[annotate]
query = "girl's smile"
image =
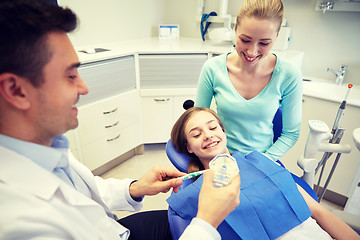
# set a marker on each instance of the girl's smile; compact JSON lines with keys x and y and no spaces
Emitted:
{"x":205,"y":137}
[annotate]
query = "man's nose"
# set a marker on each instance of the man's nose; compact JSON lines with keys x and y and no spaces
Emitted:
{"x":83,"y":88}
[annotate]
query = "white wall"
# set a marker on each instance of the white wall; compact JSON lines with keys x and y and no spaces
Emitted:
{"x":328,"y":40}
{"x":114,"y":20}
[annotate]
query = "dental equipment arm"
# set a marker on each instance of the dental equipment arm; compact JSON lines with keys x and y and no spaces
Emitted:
{"x":319,"y":131}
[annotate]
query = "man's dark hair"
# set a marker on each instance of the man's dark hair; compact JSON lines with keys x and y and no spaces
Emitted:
{"x":24,"y":25}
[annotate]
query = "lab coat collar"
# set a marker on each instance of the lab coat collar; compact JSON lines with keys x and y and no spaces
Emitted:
{"x":23,"y":174}
{"x":46,"y":157}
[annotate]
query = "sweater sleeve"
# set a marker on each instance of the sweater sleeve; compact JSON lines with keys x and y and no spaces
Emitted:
{"x":205,"y":88}
{"x":291,"y":103}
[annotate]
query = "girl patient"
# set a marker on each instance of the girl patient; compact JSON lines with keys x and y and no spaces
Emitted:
{"x":271,"y":205}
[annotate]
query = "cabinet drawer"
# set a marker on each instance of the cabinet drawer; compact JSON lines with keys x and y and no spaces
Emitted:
{"x":107,"y":148}
{"x":98,"y":120}
{"x":170,"y":70}
{"x":107,"y":78}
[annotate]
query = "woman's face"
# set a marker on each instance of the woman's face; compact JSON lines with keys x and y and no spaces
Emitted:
{"x":255,"y":38}
{"x":205,"y":137}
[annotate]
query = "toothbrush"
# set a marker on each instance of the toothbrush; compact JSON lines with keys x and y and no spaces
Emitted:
{"x":192,"y":175}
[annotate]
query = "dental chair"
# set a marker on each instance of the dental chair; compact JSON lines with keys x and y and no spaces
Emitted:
{"x":181,"y":161}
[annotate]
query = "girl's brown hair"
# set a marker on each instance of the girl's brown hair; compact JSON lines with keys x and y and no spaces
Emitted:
{"x":178,"y":137}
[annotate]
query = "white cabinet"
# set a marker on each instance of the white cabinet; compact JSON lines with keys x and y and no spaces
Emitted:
{"x":159,"y":113}
{"x":109,"y":116}
{"x":166,"y":82}
{"x":107,"y":78}
{"x":157,"y":118}
{"x":178,"y":104}
{"x":159,"y":71}
{"x":318,"y":109}
{"x":109,"y":128}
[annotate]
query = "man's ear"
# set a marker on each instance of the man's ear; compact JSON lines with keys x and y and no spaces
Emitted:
{"x":13,"y":90}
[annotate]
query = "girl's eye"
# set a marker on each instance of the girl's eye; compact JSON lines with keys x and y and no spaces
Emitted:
{"x":197,"y":135}
{"x":264,"y":44}
{"x":245,"y":41}
{"x":213,"y":128}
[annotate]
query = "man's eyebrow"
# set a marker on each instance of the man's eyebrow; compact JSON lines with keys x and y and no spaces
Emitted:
{"x":72,"y":66}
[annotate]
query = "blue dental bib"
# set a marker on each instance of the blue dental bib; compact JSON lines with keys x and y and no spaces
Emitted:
{"x":270,"y":203}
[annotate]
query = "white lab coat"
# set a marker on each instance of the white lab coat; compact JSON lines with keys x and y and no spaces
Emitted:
{"x":36,"y":204}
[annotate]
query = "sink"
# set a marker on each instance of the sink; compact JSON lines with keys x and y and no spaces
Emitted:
{"x":94,"y":50}
{"x":330,"y":91}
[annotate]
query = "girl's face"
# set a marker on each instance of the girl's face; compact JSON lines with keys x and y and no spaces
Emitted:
{"x":255,"y":38}
{"x":205,"y":137}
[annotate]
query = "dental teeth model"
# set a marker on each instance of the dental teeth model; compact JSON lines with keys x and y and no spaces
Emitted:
{"x":225,"y":169}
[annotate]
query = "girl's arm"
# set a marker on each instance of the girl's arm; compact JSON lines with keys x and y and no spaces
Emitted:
{"x":328,"y":221}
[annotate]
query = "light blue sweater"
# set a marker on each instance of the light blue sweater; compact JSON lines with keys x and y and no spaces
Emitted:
{"x":248,"y":123}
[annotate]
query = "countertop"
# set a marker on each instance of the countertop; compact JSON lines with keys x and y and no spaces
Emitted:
{"x":157,"y":46}
{"x":197,"y":46}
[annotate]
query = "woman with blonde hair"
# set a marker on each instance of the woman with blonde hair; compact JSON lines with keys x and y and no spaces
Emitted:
{"x":251,"y":83}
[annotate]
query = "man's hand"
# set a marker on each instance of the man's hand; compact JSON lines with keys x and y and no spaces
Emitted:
{"x":216,"y":203}
{"x":158,"y":179}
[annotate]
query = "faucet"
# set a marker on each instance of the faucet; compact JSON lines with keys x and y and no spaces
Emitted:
{"x":340,"y":74}
{"x":326,"y":5}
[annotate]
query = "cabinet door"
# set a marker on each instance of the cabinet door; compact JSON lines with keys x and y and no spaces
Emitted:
{"x":157,"y":118}
{"x":107,"y":78}
{"x":170,"y":70}
{"x":179,"y":105}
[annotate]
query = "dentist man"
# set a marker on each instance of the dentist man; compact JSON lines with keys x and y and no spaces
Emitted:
{"x":45,"y":193}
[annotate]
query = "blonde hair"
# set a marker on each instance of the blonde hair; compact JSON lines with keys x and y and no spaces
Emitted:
{"x":178,"y":136}
{"x":272,"y":10}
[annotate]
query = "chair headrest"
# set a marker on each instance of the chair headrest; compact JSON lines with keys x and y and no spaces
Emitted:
{"x":179,"y":160}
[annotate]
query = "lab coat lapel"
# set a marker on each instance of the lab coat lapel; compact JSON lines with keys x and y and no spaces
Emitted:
{"x":87,"y":176}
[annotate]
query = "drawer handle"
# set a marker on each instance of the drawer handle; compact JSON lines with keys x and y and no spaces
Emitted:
{"x":112,"y":125}
{"x":113,"y":139}
{"x":161,"y":99}
{"x":108,"y":112}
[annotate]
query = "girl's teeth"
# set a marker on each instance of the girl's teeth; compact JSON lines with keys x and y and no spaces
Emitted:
{"x":211,"y":145}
